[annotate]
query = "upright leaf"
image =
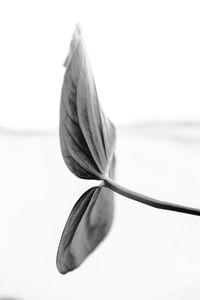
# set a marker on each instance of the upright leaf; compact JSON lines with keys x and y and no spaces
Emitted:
{"x":87,"y":136}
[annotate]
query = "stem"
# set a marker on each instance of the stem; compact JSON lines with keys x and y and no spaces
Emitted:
{"x":148,"y":200}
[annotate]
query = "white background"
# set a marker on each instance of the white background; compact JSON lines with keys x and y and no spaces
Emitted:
{"x":144,"y":54}
{"x":145,"y":59}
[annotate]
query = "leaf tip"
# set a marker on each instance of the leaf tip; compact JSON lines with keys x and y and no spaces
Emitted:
{"x":62,"y":267}
{"x":78,"y":29}
{"x":75,"y":40}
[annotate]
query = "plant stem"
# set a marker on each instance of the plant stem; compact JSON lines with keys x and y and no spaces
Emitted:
{"x":148,"y":200}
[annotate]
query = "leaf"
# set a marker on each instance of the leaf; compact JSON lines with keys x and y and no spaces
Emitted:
{"x":87,"y":225}
{"x":87,"y":136}
{"x":87,"y":139}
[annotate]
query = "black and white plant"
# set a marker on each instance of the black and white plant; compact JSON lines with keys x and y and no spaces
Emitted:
{"x":87,"y":139}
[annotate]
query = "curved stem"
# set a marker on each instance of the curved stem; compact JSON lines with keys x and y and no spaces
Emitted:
{"x":148,"y":200}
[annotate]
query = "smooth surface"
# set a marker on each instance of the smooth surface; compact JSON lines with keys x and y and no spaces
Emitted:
{"x":144,"y":56}
{"x":149,"y":254}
